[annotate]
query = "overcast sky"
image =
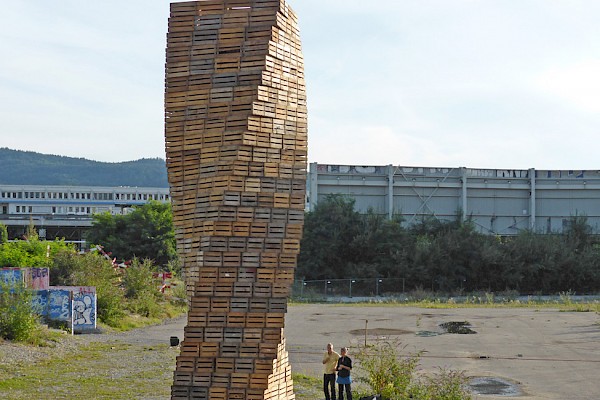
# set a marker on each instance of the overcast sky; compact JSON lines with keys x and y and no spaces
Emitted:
{"x":447,"y":83}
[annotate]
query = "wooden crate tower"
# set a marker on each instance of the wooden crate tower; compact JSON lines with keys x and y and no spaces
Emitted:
{"x":236,"y":146}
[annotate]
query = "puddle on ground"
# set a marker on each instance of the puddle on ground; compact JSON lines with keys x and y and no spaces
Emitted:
{"x":462,"y":328}
{"x":380,"y":332}
{"x":427,"y":333}
{"x":493,"y":386}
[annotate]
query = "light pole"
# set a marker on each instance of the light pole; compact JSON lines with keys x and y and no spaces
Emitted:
{"x":351,"y":282}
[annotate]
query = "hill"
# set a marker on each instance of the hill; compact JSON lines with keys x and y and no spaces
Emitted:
{"x":29,"y":168}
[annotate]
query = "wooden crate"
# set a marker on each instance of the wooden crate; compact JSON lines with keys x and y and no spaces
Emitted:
{"x":235,"y":140}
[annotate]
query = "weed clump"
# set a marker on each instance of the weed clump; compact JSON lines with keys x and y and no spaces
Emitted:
{"x":17,"y":319}
{"x":386,"y":372}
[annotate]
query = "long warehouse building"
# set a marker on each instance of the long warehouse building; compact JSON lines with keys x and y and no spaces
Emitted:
{"x":66,"y":211}
{"x":499,"y":202}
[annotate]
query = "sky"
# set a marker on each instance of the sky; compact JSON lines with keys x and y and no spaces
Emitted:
{"x":510,"y":84}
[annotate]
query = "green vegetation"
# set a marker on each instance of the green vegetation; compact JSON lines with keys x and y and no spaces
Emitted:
{"x":29,"y":168}
{"x":32,"y":252}
{"x":126,"y":297}
{"x":146,"y":232}
{"x":3,"y":233}
{"x":382,"y":369}
{"x":17,"y":320}
{"x":109,"y":370}
{"x":307,"y":387}
{"x":445,"y":256}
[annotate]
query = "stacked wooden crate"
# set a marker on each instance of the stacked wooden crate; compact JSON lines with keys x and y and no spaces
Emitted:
{"x":236,"y":145}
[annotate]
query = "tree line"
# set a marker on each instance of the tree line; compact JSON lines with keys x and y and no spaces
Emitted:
{"x":445,"y":256}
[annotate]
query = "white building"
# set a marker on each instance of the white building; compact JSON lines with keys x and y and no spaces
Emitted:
{"x":66,"y":211}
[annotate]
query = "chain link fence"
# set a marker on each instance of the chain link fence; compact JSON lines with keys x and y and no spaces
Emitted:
{"x":363,"y":287}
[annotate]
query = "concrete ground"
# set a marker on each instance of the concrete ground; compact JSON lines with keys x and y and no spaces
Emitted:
{"x":547,"y":354}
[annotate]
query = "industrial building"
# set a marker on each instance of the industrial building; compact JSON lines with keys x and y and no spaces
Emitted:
{"x":66,"y":211}
{"x":499,"y":202}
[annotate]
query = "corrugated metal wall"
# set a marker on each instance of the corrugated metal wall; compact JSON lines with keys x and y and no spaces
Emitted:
{"x":499,"y":202}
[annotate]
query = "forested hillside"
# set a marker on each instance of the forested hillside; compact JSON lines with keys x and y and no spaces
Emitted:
{"x":30,"y":168}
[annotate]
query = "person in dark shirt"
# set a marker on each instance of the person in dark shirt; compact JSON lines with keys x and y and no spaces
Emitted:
{"x":344,"y":366}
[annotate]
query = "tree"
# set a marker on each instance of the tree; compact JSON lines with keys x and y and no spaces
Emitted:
{"x":445,"y":255}
{"x":329,"y":230}
{"x":3,"y":234}
{"x":146,"y":233}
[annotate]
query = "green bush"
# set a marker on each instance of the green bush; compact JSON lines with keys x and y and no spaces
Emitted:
{"x":31,"y":253}
{"x":91,"y":269}
{"x":445,"y":385}
{"x":178,"y":293}
{"x":3,"y":234}
{"x":142,"y":289}
{"x":138,"y":279}
{"x":145,"y":304}
{"x":17,"y":320}
{"x":385,"y":371}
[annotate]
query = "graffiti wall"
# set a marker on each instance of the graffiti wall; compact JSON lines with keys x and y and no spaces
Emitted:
{"x":39,"y":302}
{"x":37,"y":278}
{"x":76,"y":305}
{"x":60,"y":304}
{"x":34,"y":278}
{"x":83,"y":305}
{"x":11,"y":276}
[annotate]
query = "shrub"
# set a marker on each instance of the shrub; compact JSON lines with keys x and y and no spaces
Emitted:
{"x":3,"y":234}
{"x":141,"y":289}
{"x":445,"y":385}
{"x":145,"y":305}
{"x":138,"y":279}
{"x":91,"y":269}
{"x":386,"y":372}
{"x":17,"y":320}
{"x":178,"y":294}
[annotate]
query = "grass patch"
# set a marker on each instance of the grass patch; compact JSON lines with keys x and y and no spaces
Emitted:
{"x":111,"y":370}
{"x":132,"y":321}
{"x":307,"y":387}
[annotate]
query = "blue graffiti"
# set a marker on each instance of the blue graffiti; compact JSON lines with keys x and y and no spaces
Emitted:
{"x":84,"y":309}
